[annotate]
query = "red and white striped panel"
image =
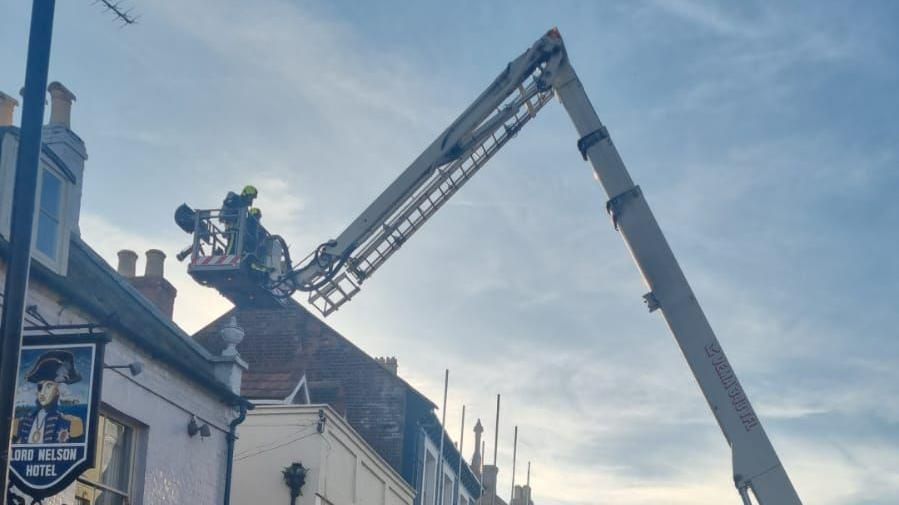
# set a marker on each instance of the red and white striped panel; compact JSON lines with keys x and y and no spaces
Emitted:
{"x":230,"y":260}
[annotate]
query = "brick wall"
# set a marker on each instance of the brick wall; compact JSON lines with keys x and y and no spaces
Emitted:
{"x":159,"y":291}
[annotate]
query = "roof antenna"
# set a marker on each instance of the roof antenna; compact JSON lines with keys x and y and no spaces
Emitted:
{"x":514,"y":457}
{"x":495,"y":446}
{"x":459,"y":468}
{"x":528,"y":497}
{"x":438,"y":479}
{"x":123,"y":14}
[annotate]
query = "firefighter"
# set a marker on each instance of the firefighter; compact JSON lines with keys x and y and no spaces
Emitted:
{"x":231,"y":212}
{"x":253,"y":243}
{"x":252,"y":237}
{"x":244,"y":199}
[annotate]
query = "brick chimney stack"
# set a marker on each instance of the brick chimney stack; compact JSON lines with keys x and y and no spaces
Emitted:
{"x":153,"y":284}
{"x":521,"y":495}
{"x":489,"y":479}
{"x":388,"y":362}
{"x":8,"y":105}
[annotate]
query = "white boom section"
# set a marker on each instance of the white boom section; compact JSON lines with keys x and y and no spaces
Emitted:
{"x":755,"y":463}
{"x":332,"y":274}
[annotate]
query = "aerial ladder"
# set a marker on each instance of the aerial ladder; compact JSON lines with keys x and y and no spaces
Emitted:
{"x":264,"y":274}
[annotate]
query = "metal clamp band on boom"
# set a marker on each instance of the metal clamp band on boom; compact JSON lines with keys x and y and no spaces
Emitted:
{"x":652,"y":303}
{"x":615,"y":205}
{"x":588,"y":140}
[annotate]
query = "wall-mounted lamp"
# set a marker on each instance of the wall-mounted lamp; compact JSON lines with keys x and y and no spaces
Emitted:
{"x":193,"y":427}
{"x":320,"y":426}
{"x":294,"y":478}
{"x":135,"y":367}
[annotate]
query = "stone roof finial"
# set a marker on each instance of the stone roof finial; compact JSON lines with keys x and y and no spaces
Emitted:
{"x":232,"y":334}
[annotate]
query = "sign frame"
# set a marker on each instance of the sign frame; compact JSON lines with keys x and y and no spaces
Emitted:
{"x":98,"y":341}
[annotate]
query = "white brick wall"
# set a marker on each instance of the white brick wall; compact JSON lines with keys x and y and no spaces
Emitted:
{"x":172,"y":467}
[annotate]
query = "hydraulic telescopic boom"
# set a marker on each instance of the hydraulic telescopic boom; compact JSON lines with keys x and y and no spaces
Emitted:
{"x":333,"y":273}
{"x":755,"y":463}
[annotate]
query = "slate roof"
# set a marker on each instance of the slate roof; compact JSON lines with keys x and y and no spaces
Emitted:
{"x":114,"y":303}
{"x":273,"y":349}
{"x":283,"y":343}
{"x":265,"y":385}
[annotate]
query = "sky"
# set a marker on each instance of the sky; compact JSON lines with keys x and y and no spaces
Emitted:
{"x":763,"y":135}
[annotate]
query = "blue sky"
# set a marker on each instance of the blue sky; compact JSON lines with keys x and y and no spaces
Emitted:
{"x":763,"y":135}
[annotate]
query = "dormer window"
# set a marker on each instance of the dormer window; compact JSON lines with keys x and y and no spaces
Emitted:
{"x":59,"y":180}
{"x":53,"y":219}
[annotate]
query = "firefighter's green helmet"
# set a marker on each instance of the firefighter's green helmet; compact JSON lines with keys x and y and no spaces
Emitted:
{"x":255,"y":212}
{"x":249,"y":191}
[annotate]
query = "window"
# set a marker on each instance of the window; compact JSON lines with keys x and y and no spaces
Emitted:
{"x":447,"y":490}
{"x":49,"y":215}
{"x":109,"y":482}
{"x":428,"y":483}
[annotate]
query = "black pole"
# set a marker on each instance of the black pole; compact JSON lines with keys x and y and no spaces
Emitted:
{"x":19,"y":260}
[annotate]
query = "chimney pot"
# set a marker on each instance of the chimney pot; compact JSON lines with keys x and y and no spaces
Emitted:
{"x":60,"y":104}
{"x":127,"y":263}
{"x":8,"y":105}
{"x":388,"y":362}
{"x":155,"y":263}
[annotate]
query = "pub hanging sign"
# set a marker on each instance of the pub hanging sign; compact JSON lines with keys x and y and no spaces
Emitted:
{"x":56,"y":407}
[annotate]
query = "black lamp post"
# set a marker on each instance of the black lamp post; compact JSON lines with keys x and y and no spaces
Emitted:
{"x":294,"y":478}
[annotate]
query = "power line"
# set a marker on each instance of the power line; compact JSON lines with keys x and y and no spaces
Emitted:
{"x":266,"y":445}
{"x":277,"y":446}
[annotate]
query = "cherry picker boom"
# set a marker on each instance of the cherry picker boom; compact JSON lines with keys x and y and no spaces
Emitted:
{"x":332,"y":274}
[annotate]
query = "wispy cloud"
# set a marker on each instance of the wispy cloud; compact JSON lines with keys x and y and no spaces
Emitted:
{"x":711,"y":17}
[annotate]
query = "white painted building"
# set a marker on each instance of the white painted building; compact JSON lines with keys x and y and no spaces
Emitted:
{"x":342,"y":469}
{"x":146,"y":453}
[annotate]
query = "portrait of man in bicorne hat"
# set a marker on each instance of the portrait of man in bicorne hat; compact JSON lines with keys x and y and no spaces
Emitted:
{"x":46,"y":423}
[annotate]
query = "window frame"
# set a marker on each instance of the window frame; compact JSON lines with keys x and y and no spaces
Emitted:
{"x":60,"y":219}
{"x":429,"y":474}
{"x":133,"y":431}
